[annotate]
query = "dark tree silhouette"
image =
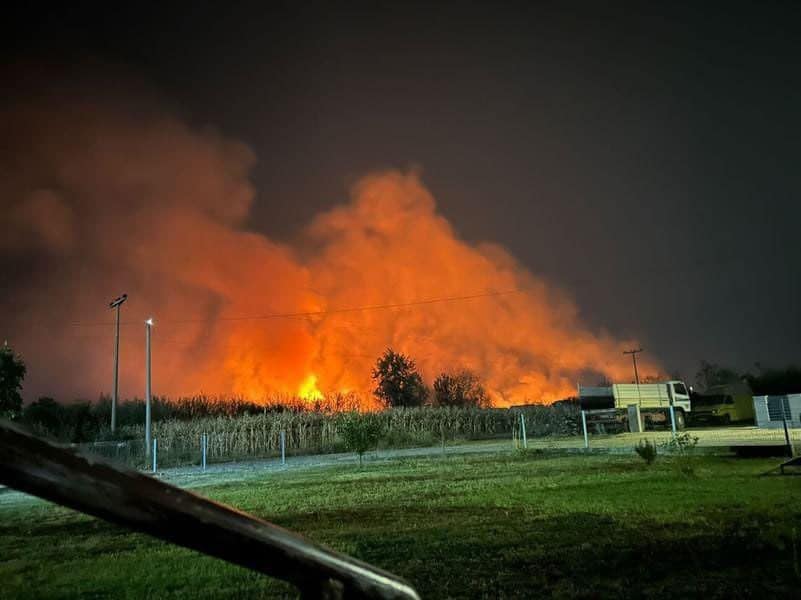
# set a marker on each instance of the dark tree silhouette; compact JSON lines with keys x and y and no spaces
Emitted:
{"x":460,"y":389}
{"x":12,"y":373}
{"x":775,"y":381}
{"x":711,"y":374}
{"x":397,"y":381}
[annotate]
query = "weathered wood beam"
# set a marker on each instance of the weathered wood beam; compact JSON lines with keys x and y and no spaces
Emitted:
{"x":141,"y":503}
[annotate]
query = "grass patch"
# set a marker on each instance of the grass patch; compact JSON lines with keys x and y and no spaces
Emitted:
{"x":517,"y":525}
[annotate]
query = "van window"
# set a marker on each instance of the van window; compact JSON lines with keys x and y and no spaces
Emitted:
{"x":729,"y":400}
{"x":679,"y":388}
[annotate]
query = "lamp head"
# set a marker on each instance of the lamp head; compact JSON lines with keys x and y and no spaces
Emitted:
{"x":118,"y":301}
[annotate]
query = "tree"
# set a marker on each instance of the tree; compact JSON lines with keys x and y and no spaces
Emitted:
{"x":775,"y":381}
{"x":360,"y":432}
{"x":711,"y":374}
{"x":12,"y":373}
{"x":461,"y":389}
{"x":397,"y":381}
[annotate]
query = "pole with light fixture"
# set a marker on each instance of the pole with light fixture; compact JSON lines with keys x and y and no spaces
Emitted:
{"x":115,"y":304}
{"x":148,"y":327}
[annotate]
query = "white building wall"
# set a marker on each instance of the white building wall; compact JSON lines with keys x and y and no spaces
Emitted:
{"x":762,"y":414}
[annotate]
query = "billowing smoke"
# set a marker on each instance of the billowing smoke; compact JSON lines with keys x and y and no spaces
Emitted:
{"x":101,"y":196}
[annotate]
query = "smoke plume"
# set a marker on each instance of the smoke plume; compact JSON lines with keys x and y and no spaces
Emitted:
{"x":101,"y":195}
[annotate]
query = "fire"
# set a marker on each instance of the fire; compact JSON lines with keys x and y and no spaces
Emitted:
{"x":112,"y":200}
{"x":308,"y":389}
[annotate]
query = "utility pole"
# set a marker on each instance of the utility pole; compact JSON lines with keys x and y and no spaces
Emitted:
{"x":148,"y":327}
{"x":634,"y":353}
{"x":115,"y":304}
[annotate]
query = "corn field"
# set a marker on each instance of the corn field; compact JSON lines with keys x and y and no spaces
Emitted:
{"x":253,"y":436}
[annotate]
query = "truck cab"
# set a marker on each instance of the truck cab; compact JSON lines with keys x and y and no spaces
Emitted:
{"x":680,"y":396}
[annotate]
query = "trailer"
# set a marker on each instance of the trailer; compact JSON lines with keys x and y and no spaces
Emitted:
{"x":653,"y":401}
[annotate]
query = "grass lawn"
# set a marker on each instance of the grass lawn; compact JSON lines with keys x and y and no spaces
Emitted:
{"x":516,"y":525}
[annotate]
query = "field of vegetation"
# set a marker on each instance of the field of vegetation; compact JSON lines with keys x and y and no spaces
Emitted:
{"x":249,"y":436}
{"x":519,"y":525}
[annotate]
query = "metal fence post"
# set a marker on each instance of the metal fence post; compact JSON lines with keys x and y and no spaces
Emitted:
{"x":523,"y":429}
{"x":283,"y":447}
{"x":584,"y":426}
{"x":787,"y":441}
{"x":155,"y":453}
{"x":203,"y":445}
{"x":672,"y":420}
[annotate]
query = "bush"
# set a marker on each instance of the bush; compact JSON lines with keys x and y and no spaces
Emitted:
{"x":461,"y":389}
{"x":360,"y":432}
{"x":683,"y":445}
{"x":646,"y":450}
{"x":45,"y":416}
{"x":397,"y":381}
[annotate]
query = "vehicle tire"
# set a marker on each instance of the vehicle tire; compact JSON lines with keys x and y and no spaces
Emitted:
{"x":726,"y":420}
{"x":680,"y":420}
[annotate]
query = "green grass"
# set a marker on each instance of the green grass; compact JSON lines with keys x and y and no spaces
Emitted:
{"x":518,"y":525}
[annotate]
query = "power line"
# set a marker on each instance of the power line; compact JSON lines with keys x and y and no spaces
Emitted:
{"x":305,"y":314}
{"x":323,"y":312}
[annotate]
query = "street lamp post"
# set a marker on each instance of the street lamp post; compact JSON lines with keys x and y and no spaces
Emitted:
{"x":148,"y":327}
{"x":115,"y":304}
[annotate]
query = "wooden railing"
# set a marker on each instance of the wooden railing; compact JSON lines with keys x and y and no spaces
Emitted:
{"x":145,"y":504}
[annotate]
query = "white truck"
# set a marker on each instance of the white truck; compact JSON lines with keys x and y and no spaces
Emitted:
{"x":653,"y":399}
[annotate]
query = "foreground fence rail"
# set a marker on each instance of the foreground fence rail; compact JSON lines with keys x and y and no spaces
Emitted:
{"x":141,"y":503}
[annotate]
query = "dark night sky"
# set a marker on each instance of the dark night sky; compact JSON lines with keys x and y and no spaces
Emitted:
{"x":643,"y":157}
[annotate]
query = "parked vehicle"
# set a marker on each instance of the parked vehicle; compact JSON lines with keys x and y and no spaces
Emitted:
{"x":724,"y":404}
{"x":654,"y":400}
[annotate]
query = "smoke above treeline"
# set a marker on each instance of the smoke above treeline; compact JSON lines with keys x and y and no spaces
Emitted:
{"x":103,"y":194}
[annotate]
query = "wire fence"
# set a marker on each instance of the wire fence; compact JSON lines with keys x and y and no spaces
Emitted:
{"x":172,"y":452}
{"x":525,"y":431}
{"x":779,"y":438}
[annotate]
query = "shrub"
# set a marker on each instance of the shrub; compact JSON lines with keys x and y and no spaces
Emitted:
{"x":360,"y":432}
{"x":397,"y":381}
{"x":646,"y":450}
{"x":45,"y":415}
{"x":460,"y":389}
{"x":682,"y":443}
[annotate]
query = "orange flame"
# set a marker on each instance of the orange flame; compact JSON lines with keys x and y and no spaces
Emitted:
{"x":308,"y":389}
